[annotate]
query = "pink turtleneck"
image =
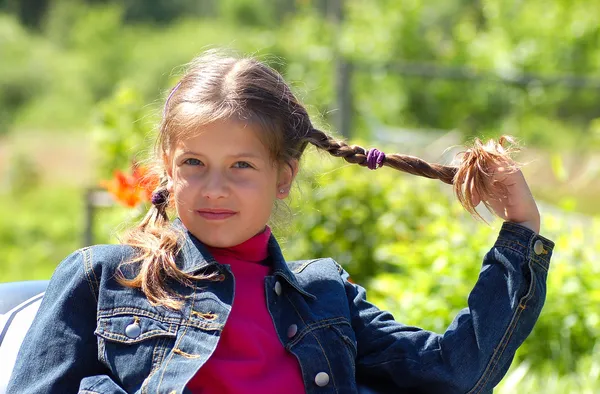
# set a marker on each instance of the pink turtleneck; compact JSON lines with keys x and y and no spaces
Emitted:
{"x":249,"y":357}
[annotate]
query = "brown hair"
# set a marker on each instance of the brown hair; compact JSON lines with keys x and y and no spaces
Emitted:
{"x":220,"y":86}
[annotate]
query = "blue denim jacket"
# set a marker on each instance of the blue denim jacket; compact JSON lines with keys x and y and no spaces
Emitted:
{"x":93,"y":335}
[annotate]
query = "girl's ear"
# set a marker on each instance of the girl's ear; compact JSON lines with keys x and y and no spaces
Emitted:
{"x":286,"y":177}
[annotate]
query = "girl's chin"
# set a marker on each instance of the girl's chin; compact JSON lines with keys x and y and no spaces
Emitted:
{"x":221,"y":238}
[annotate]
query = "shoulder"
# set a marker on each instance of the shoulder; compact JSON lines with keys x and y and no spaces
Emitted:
{"x":98,"y":256}
{"x":325,"y":265}
{"x":309,"y":272}
{"x":94,"y":262}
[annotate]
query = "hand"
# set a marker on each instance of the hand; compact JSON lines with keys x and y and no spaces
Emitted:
{"x":516,"y":204}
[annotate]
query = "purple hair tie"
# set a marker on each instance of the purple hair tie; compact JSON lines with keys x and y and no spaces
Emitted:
{"x":375,"y":159}
{"x":169,"y":98}
{"x":159,"y":197}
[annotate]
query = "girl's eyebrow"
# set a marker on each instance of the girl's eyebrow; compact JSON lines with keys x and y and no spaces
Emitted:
{"x":237,"y":155}
{"x":247,"y":154}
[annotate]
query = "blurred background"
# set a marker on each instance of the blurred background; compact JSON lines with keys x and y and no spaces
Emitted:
{"x":82,"y":84}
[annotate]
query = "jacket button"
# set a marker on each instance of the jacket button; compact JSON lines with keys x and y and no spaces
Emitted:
{"x":292,"y":330}
{"x":277,"y":288}
{"x":538,"y":247}
{"x":322,"y":379}
{"x":133,"y":330}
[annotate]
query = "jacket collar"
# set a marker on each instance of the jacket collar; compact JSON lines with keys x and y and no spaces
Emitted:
{"x":195,"y":257}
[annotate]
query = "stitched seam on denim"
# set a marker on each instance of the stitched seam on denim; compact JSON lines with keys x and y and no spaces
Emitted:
{"x":345,"y":338}
{"x":349,"y":345}
{"x":126,"y":340}
{"x":126,"y":310}
{"x":510,"y":245}
{"x":87,"y":259}
{"x":91,"y":267}
{"x":515,"y":231}
{"x":298,"y":288}
{"x":176,"y":346}
{"x":317,"y":325}
{"x":317,"y":339}
{"x":155,"y":365}
{"x":512,"y":241}
{"x":157,"y":361}
{"x":303,"y":266}
{"x":122,"y":311}
{"x":505,"y":339}
{"x":542,"y":263}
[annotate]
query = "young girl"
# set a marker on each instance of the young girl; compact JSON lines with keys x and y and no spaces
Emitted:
{"x":208,"y":304}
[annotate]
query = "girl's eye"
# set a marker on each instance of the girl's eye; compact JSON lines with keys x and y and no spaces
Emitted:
{"x":192,"y":162}
{"x":242,"y":164}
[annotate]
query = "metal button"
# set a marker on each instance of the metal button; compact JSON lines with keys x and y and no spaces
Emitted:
{"x":277,"y":288}
{"x":292,"y":330}
{"x":538,"y":247}
{"x":133,"y":330}
{"x":322,"y":379}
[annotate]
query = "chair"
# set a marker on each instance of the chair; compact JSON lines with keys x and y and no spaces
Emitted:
{"x":19,"y":302}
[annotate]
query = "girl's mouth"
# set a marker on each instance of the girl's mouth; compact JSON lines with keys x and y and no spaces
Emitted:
{"x":215,"y":214}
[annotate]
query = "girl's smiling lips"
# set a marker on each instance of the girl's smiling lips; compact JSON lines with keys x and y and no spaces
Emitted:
{"x":215,"y":214}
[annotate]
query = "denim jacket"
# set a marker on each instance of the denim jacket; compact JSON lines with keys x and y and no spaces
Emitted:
{"x":93,"y":335}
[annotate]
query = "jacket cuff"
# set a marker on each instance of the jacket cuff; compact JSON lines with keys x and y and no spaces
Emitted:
{"x":526,"y":242}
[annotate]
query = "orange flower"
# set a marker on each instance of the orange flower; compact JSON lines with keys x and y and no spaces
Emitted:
{"x":145,"y":180}
{"x":131,"y":189}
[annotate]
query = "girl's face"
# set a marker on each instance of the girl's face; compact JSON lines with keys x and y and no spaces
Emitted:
{"x":225,"y":183}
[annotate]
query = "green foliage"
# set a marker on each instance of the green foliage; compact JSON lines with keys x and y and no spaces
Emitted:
{"x":21,"y":78}
{"x":23,"y":174}
{"x":120,"y":131}
{"x":38,"y":230}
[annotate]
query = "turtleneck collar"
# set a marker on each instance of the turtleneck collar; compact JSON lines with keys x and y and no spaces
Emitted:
{"x":253,"y":250}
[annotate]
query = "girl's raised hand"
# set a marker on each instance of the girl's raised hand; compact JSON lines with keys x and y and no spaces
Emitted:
{"x":512,"y":200}
{"x":488,"y":174}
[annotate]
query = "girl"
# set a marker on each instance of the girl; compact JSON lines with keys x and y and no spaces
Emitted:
{"x":207,"y":303}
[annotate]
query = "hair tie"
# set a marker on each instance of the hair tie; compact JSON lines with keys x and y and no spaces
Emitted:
{"x":375,"y":158}
{"x":169,"y":98}
{"x":159,"y":197}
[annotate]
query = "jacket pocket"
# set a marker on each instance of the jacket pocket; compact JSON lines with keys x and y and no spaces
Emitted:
{"x":133,"y":344}
{"x":99,"y":384}
{"x":133,"y":328}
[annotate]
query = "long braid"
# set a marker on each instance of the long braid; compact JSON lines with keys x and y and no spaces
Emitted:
{"x":471,"y":175}
{"x":358,"y":155}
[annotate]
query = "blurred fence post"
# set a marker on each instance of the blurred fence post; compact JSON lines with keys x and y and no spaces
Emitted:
{"x":343,"y":74}
{"x":94,"y":198}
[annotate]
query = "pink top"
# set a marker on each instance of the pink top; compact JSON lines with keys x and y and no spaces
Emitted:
{"x":249,"y":357}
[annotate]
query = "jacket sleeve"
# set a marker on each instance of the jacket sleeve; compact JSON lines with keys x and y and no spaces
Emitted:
{"x":60,"y":347}
{"x":477,"y":348}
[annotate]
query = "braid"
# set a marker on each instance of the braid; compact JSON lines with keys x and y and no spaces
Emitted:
{"x":358,"y":155}
{"x":472,"y":174}
{"x":158,"y":244}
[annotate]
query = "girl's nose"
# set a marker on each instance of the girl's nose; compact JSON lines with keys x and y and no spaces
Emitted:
{"x":215,"y":186}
